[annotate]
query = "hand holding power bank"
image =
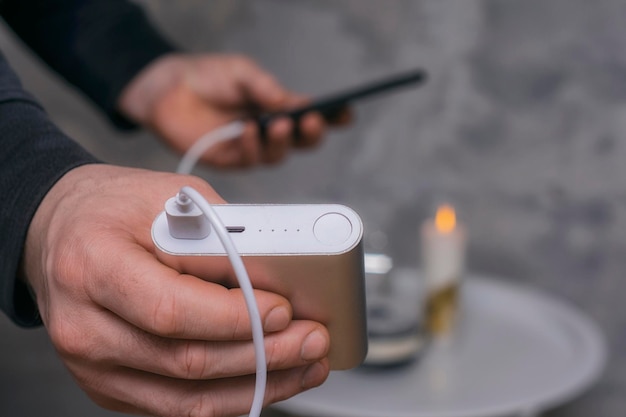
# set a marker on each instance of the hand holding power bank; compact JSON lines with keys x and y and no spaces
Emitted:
{"x":310,"y":254}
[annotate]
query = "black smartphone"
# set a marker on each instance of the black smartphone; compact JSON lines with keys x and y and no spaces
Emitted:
{"x":332,"y":106}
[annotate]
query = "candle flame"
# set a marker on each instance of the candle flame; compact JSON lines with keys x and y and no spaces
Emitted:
{"x":445,"y":219}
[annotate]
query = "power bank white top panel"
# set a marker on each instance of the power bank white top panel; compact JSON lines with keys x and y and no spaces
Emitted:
{"x":319,"y":229}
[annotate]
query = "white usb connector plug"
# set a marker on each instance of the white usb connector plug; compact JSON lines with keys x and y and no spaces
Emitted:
{"x":185,"y":219}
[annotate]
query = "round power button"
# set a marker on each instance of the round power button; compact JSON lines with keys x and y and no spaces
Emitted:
{"x":332,"y":229}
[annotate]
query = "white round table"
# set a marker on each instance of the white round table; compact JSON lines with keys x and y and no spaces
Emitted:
{"x":517,"y":352}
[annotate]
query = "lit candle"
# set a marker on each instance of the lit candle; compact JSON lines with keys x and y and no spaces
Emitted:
{"x":443,"y":261}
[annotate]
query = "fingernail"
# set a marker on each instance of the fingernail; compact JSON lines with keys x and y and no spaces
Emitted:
{"x":315,"y":346}
{"x":314,"y":375}
{"x":277,"y":319}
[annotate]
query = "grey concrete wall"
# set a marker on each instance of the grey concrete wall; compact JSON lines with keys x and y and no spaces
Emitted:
{"x":521,"y":126}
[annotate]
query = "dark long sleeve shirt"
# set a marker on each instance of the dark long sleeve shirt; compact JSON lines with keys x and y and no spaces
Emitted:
{"x":98,"y":46}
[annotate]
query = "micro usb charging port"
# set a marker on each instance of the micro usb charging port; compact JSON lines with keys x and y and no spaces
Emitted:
{"x":235,"y":229}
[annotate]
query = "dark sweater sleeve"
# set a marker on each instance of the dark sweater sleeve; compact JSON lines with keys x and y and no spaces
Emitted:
{"x":97,"y":45}
{"x":34,"y":154}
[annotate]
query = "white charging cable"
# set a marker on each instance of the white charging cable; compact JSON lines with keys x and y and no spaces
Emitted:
{"x":244,"y":283}
{"x":224,"y":133}
{"x":187,"y":163}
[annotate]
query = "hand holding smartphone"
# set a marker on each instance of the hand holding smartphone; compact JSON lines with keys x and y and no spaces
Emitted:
{"x":331,"y":107}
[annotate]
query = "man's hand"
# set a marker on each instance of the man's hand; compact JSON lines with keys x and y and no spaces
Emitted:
{"x":181,"y":97}
{"x":138,"y":336}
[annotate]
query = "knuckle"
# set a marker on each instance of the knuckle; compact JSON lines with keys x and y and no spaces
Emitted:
{"x":100,"y":400}
{"x":203,"y":405}
{"x":192,"y":361}
{"x":276,"y":356}
{"x":69,"y":341}
{"x":237,"y":315}
{"x":65,"y":261}
{"x":70,"y":263}
{"x":165,"y":318}
{"x":279,"y":390}
{"x":97,"y":386}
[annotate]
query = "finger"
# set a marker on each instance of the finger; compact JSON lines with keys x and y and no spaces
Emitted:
{"x":136,"y":392}
{"x":163,"y":302}
{"x":249,"y":146}
{"x":279,"y":139}
{"x":344,"y":118}
{"x":119,"y":344}
{"x":312,"y":129}
{"x":310,"y":126}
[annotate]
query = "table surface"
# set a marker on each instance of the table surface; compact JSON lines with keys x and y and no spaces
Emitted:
{"x":516,"y":352}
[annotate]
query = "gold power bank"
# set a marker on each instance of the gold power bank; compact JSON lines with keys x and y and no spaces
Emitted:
{"x":310,"y":253}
